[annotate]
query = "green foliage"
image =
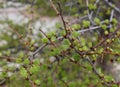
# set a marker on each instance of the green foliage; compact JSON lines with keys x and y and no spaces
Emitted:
{"x":104,"y":26}
{"x":106,"y":32}
{"x":23,"y":73}
{"x":55,"y":52}
{"x":37,"y":82}
{"x":92,"y":7}
{"x":107,"y":21}
{"x":45,"y":40}
{"x":76,"y":26}
{"x":86,"y":24}
{"x":114,"y":21}
{"x":76,"y":57}
{"x":73,"y":55}
{"x":62,"y":33}
{"x":53,"y":38}
{"x":97,"y":21}
{"x":75,"y":34}
{"x":34,"y":69}
{"x":64,"y":47}
{"x":66,"y":42}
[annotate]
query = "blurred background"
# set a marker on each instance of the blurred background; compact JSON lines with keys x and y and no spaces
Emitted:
{"x":20,"y":21}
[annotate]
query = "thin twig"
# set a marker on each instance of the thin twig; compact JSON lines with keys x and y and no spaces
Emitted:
{"x":61,"y":15}
{"x":113,"y":6}
{"x":48,"y":38}
{"x":111,"y":17}
{"x":96,"y":72}
{"x":54,"y":7}
{"x":91,"y":28}
{"x":109,"y":36}
{"x":90,"y":15}
{"x":38,"y":50}
{"x":1,"y":82}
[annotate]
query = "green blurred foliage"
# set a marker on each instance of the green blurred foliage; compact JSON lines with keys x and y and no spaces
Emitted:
{"x":72,"y":69}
